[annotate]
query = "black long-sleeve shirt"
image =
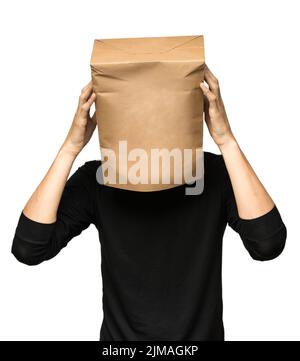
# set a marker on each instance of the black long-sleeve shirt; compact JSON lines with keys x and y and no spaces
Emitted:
{"x":161,"y":251}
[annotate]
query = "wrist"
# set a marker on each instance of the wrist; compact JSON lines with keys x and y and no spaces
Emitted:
{"x":229,"y":143}
{"x":67,"y":150}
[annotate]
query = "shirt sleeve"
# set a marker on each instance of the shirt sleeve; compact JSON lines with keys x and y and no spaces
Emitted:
{"x":264,"y":237}
{"x":35,"y":242}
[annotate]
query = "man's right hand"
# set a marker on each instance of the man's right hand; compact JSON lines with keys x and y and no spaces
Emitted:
{"x":83,"y":124}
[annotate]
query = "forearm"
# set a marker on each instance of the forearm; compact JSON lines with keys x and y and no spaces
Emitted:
{"x":251,"y":197}
{"x":43,"y":204}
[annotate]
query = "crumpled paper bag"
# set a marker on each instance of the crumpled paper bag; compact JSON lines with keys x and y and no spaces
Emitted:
{"x":148,"y":98}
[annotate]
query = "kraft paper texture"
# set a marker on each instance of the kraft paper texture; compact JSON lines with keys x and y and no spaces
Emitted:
{"x":148,"y":94}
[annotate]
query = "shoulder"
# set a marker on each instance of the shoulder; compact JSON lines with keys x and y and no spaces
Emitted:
{"x":90,"y":166}
{"x":85,"y":174}
{"x":214,"y":168}
{"x":212,"y":160}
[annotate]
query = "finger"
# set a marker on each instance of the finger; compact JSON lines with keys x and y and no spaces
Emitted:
{"x":211,"y":97}
{"x":87,"y":90}
{"x":89,"y":131}
{"x":211,"y":80}
{"x":86,"y":93}
{"x":206,"y":109}
{"x":87,"y":105}
{"x":205,"y":105}
{"x":94,"y":118}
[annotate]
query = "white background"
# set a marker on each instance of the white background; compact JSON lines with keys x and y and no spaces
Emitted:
{"x":251,"y":46}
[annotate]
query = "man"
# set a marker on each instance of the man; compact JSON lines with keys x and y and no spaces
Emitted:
{"x":161,"y":251}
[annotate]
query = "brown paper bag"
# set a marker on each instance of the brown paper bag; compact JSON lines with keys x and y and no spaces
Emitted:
{"x":149,"y":104}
